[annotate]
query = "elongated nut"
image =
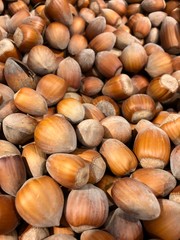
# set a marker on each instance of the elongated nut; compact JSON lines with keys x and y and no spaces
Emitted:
{"x":153,"y":36}
{"x":95,"y":27}
{"x":162,"y":88}
{"x":13,"y":172}
{"x":118,"y":87}
{"x":159,"y":181}
{"x":163,"y":227}
{"x":156,"y":139}
{"x":120,"y":159}
{"x":35,"y":159}
{"x":97,"y":166}
{"x":70,"y":71}
{"x":55,"y":134}
{"x":137,"y":107}
{"x":46,"y":211}
{"x":95,"y":130}
{"x":18,"y":128}
{"x":52,"y":88}
{"x":133,"y":57}
{"x":59,"y":10}
{"x":18,"y":75}
{"x":31,"y":102}
{"x":117,"y":127}
{"x":69,"y":170}
{"x":9,"y":217}
{"x":122,"y":224}
{"x":169,"y":35}
{"x":90,"y":197}
{"x":135,"y":198}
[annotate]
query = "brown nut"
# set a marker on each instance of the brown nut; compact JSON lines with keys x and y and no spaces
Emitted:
{"x":57,"y":35}
{"x":171,"y":126}
{"x":137,"y":107}
{"x":96,"y":234}
{"x":148,"y":139}
{"x":18,"y":75}
{"x":35,"y":159}
{"x":95,"y":132}
{"x":8,"y":49}
{"x":42,"y":60}
{"x":117,"y":127}
{"x":135,"y":198}
{"x":18,"y":128}
{"x":118,"y":87}
{"x":161,"y":182}
{"x":31,"y":102}
{"x":59,"y":10}
{"x":52,"y":88}
{"x":26,"y":37}
{"x":175,"y":162}
{"x":69,"y":170}
{"x":97,"y":165}
{"x":70,"y":71}
{"x":133,"y":57}
{"x":13,"y":172}
{"x":121,"y":224}
{"x":120,"y":159}
{"x":46,"y":211}
{"x":90,"y":197}
{"x":55,"y":134}
{"x":163,"y":227}
{"x":72,"y":109}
